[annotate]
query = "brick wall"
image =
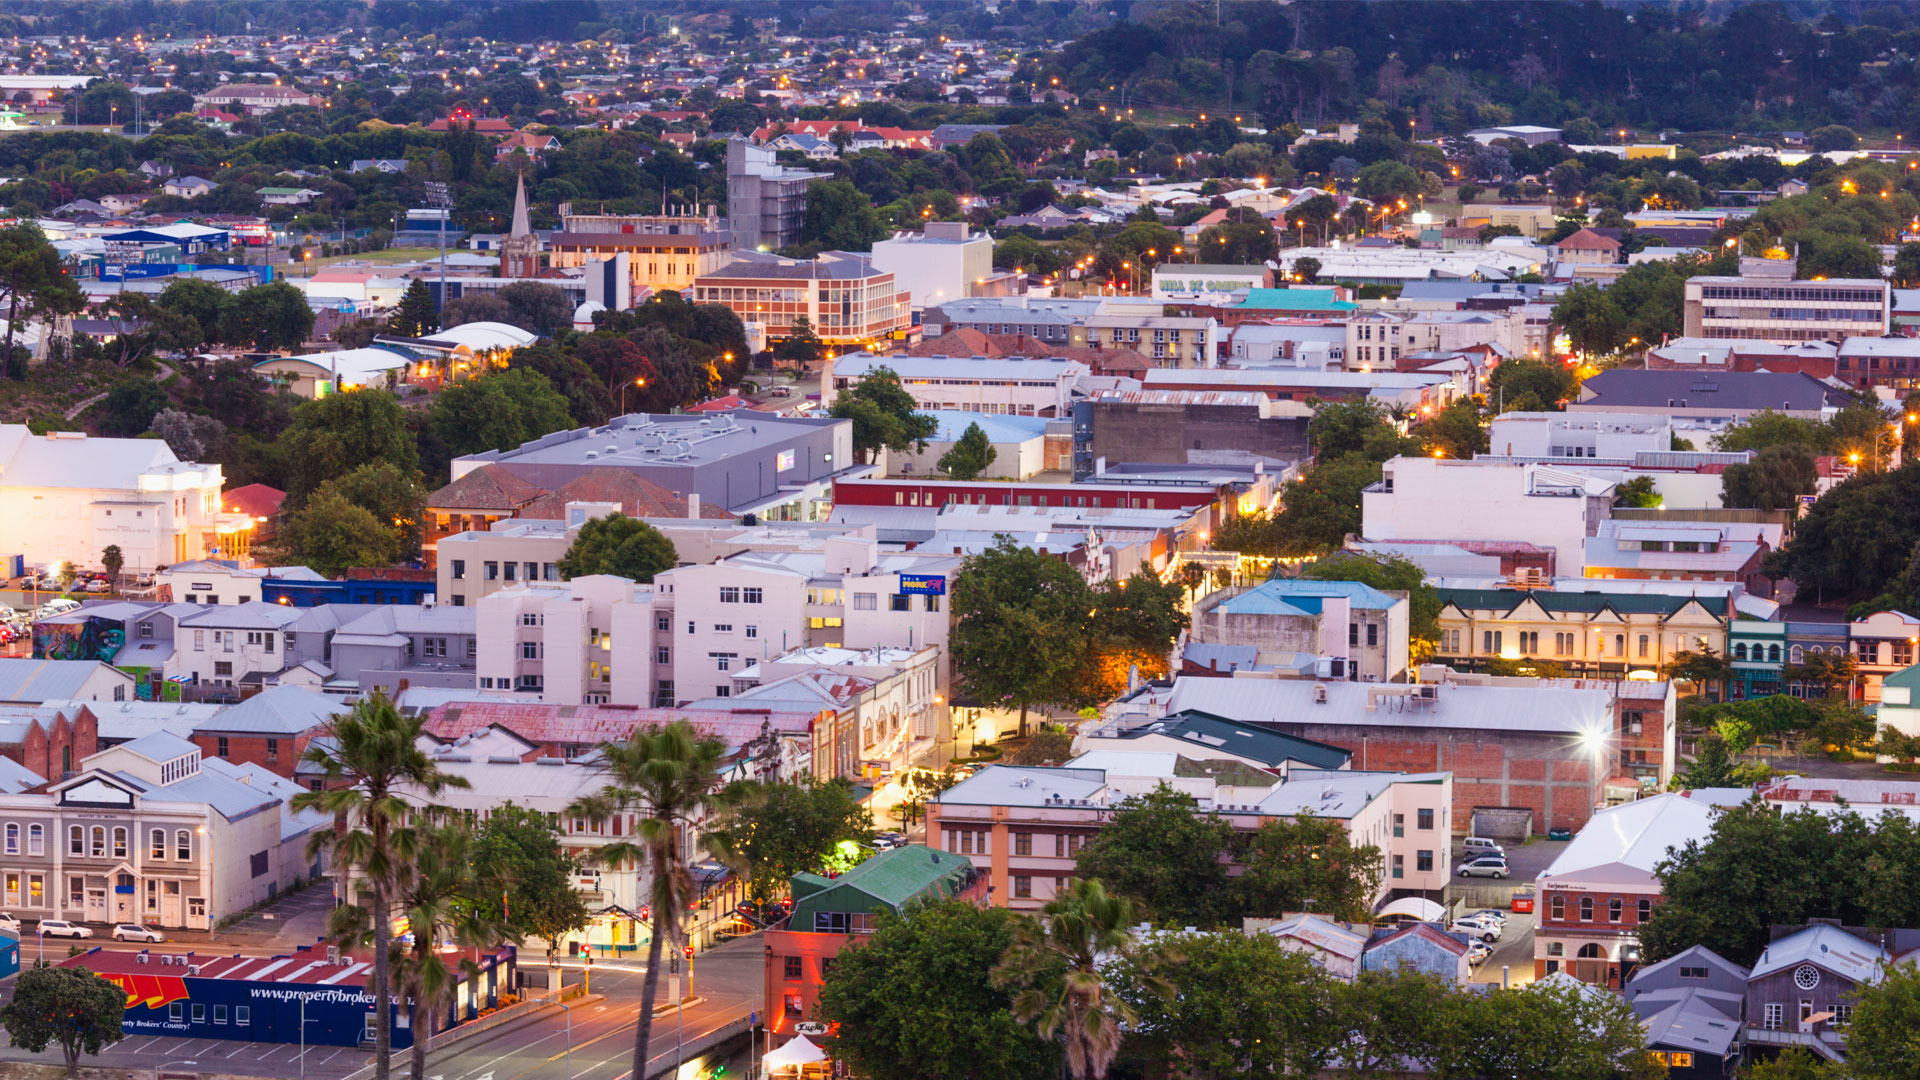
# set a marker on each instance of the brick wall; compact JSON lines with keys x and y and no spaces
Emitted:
{"x":250,"y":749}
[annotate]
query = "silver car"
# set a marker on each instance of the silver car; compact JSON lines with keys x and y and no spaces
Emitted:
{"x":1493,"y":866}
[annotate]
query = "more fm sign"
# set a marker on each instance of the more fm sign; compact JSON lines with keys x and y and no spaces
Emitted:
{"x":923,"y":584}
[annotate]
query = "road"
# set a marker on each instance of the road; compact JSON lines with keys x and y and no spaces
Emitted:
{"x":727,"y":981}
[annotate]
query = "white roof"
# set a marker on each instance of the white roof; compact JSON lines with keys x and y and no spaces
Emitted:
{"x":74,"y":460}
{"x":1415,"y":907}
{"x":1560,"y":708}
{"x":350,"y":365}
{"x":1622,"y":844}
{"x":480,"y":336}
{"x":1823,"y":946}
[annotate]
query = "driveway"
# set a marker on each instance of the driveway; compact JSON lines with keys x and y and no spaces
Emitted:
{"x":1512,"y":959}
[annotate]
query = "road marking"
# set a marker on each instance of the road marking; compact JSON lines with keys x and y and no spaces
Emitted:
{"x":144,"y":1048}
{"x":333,"y":1055}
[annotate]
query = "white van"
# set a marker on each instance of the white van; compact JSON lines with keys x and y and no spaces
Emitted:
{"x":57,"y":606}
{"x":1480,"y":845}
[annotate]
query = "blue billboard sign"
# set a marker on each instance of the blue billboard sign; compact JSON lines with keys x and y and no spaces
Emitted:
{"x":923,"y":584}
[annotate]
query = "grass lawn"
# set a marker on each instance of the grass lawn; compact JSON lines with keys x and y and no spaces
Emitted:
{"x":383,"y":258}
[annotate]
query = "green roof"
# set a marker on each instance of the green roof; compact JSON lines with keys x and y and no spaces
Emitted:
{"x":889,"y":880}
{"x":1582,"y":602}
{"x":1294,"y":300}
{"x":1908,"y":677}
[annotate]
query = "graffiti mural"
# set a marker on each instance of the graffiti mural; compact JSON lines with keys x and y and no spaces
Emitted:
{"x":94,"y":639}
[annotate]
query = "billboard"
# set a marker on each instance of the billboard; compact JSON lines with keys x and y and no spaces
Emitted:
{"x":923,"y":584}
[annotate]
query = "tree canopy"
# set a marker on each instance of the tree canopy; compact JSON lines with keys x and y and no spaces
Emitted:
{"x":620,"y":545}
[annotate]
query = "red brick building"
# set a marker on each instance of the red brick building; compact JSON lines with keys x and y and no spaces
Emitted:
{"x":50,"y":741}
{"x":271,"y":729}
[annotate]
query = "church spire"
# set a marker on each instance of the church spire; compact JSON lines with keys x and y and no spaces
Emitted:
{"x":522,"y":226}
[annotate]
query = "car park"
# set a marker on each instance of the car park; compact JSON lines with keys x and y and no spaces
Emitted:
{"x":98,"y":585}
{"x":63,"y":928}
{"x":1493,"y":866}
{"x":136,"y":932}
{"x":57,"y":606}
{"x":1485,"y":929}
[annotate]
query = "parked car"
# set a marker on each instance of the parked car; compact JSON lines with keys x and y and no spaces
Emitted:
{"x":1480,"y":845}
{"x":63,"y":928}
{"x":98,"y":585}
{"x":57,"y":606}
{"x":1561,"y":833}
{"x":136,"y":932}
{"x":1490,"y":913}
{"x":10,"y":923}
{"x":1477,"y":952}
{"x":1493,"y":866}
{"x":1485,"y":929}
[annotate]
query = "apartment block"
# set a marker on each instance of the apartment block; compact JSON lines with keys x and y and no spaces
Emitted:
{"x":1765,"y":301}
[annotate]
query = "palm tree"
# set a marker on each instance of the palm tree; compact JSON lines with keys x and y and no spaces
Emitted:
{"x":366,"y":758}
{"x":1078,"y":929}
{"x":662,"y":776}
{"x":438,"y":899}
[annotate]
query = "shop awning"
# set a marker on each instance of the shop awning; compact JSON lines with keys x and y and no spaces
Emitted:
{"x":1413,"y":907}
{"x":796,"y":1053}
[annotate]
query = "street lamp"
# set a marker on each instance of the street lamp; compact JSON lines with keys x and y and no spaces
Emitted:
{"x":640,"y":382}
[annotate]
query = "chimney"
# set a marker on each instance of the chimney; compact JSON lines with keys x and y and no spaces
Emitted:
{"x":693,"y":504}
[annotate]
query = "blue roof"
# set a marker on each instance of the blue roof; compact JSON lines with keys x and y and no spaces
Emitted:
{"x":999,"y":429}
{"x":1290,"y":597}
{"x":1295,"y":300}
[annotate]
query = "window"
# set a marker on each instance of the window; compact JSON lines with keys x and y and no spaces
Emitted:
{"x":722,"y":661}
{"x":1022,"y":887}
{"x":933,"y":603}
{"x":1842,"y":1016}
{"x":1586,"y":909}
{"x":1613,"y":910}
{"x":242,"y":1015}
{"x":273,"y":749}
{"x":1694,"y":973}
{"x":183,"y":845}
{"x":1023,"y":843}
{"x":1399,"y":866}
{"x":199,"y":1014}
{"x":750,"y":596}
{"x":120,"y":842}
{"x":196,"y":905}
{"x":1645,"y":910}
{"x":1775,"y":1016}
{"x":1423,"y":818}
{"x":157,"y":844}
{"x":1373,"y":634}
{"x":13,"y":838}
{"x":176,"y":1011}
{"x":221,"y":744}
{"x":690,"y":627}
{"x":663,"y":623}
{"x":730,"y":594}
{"x":1556,"y":948}
{"x":512,"y":571}
{"x":36,"y":840}
{"x":1558,"y":908}
{"x":753,"y":631}
{"x":791,"y":964}
{"x":795,"y":1006}
{"x":865,"y":601}
{"x":1399,"y":824}
{"x":76,"y":840}
{"x":219,"y":1014}
{"x":1423,"y":861}
{"x":662,"y":655}
{"x":899,"y":602}
{"x":529,"y":618}
{"x":529,"y":650}
{"x":459,"y":569}
{"x":1644,"y":639}
{"x":829,"y":922}
{"x":146,"y":630}
{"x":492,"y":570}
{"x":36,"y":890}
{"x":723,"y":628}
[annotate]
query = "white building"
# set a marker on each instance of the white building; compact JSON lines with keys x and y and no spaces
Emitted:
{"x":1378,"y":339}
{"x":1604,"y":436}
{"x":231,"y":645}
{"x":1006,"y":385}
{"x":1019,"y":445}
{"x":1435,"y":499}
{"x":65,"y":496}
{"x":942,"y":262}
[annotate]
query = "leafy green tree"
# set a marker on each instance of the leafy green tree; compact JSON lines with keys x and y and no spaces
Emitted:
{"x":36,"y":287}
{"x":1051,"y":745}
{"x":970,"y":455}
{"x":519,"y":848}
{"x":1456,"y":431}
{"x":588,"y":402}
{"x":1795,"y":1063}
{"x":371,"y":757}
{"x":1355,"y":427}
{"x":1307,"y":269}
{"x":1080,"y":929}
{"x":268,"y":317}
{"x":1767,"y":428}
{"x":1136,"y":621}
{"x":497,"y":411}
{"x":334,"y":435}
{"x":538,"y":307}
{"x":1543,"y":1029}
{"x":1247,"y":1006}
{"x":1774,"y":480}
{"x":332,"y":535}
{"x":1308,"y":864}
{"x":437,"y":897}
{"x":619,"y":545}
{"x":1880,"y":1044}
{"x":915,"y":1001}
{"x":1020,"y":628}
{"x":414,"y":316}
{"x":1391,"y":573}
{"x":1161,"y":852}
{"x":663,"y":778}
{"x":1592,"y":320}
{"x":140,"y":327}
{"x":130,"y":407}
{"x":1386,"y":1017}
{"x":1524,"y":384}
{"x":839,"y":217}
{"x":1906,"y":265}
{"x":1240,"y":243}
{"x":784,"y":829}
{"x":1385,"y":181}
{"x":1704,"y":666}
{"x":202,"y":301}
{"x":1637,"y":493}
{"x":1713,"y":766}
{"x":801,"y":345}
{"x":71,"y":1007}
{"x":884,"y":415}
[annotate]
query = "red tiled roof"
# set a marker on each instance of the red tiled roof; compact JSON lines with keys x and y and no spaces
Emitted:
{"x":956,"y":341}
{"x":637,"y":496}
{"x":254,"y":500}
{"x":488,"y":487}
{"x":721,"y":404}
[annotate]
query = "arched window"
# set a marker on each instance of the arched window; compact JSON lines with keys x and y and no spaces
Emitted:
{"x":1586,"y":909}
{"x":36,"y":840}
{"x":1646,"y":909}
{"x":183,"y":844}
{"x":1773,"y":654}
{"x":76,"y":840}
{"x":119,"y":842}
{"x":1613,"y":909}
{"x":1740,"y":651}
{"x":157,"y":844}
{"x":1591,"y":951}
{"x":13,"y":838}
{"x":1559,"y":907}
{"x":1796,"y":655}
{"x":99,"y":841}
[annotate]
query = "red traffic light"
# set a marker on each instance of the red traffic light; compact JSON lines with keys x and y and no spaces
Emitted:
{"x":689,"y":952}
{"x":646,"y":912}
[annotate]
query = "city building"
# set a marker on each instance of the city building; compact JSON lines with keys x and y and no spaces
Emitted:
{"x":1879,"y":361}
{"x":1019,"y":445}
{"x":1420,"y":498}
{"x":832,"y":914}
{"x":1766,"y":302}
{"x":1052,"y":321}
{"x":844,"y":297}
{"x":270,"y":730}
{"x":66,"y":496}
{"x":664,"y":251}
{"x":1609,"y":437}
{"x":1172,"y":341}
{"x":944,"y":261}
{"x":520,"y":251}
{"x":1598,"y":634}
{"x":1359,"y":630}
{"x":1706,"y":403}
{"x":36,"y":681}
{"x":44,"y":741}
{"x":1023,"y":827}
{"x":776,"y":467}
{"x":1178,"y":427}
{"x":1010,"y":386}
{"x":765,"y":200}
{"x":233,"y":645}
{"x":1684,"y":551}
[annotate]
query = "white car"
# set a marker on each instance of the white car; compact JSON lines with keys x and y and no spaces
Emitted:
{"x":10,"y":923}
{"x":136,"y":932}
{"x":1485,"y":929}
{"x":1477,"y":952}
{"x":63,"y":928}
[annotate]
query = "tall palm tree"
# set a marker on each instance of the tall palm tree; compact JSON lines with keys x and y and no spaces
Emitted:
{"x":438,"y":899}
{"x":1078,"y":929}
{"x":366,"y":758}
{"x":664,"y":777}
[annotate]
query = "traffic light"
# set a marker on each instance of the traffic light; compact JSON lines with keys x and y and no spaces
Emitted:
{"x":689,"y":952}
{"x":646,"y":913}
